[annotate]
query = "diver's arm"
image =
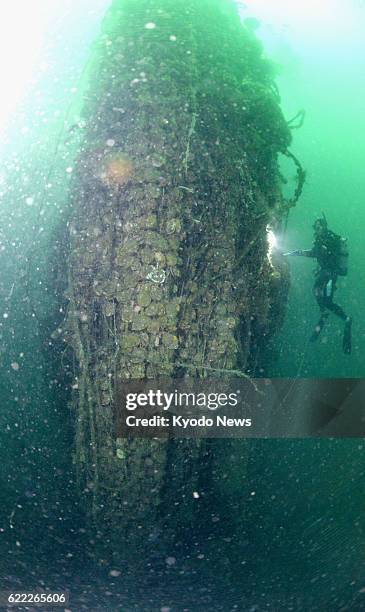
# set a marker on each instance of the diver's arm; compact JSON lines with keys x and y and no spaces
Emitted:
{"x":301,"y":253}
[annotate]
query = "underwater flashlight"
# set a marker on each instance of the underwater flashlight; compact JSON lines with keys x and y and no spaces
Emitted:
{"x":271,"y":241}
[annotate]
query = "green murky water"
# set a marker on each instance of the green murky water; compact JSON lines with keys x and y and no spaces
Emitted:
{"x":300,"y":543}
{"x":322,"y":73}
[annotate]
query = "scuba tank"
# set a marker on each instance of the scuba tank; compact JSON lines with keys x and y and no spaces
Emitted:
{"x":343,"y":258}
{"x":334,"y":247}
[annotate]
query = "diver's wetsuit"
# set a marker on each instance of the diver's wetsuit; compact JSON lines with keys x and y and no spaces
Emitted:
{"x":325,"y":250}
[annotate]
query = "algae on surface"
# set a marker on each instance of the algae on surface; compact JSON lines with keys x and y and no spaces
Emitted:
{"x":168,"y":274}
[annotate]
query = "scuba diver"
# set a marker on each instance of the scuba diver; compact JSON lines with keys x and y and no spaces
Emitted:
{"x":330,"y":251}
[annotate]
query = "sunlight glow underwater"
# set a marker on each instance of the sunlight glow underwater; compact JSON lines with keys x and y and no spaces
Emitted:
{"x":31,"y":34}
{"x":24,"y":31}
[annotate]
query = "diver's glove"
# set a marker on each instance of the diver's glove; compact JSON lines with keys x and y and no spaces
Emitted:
{"x":297,"y":252}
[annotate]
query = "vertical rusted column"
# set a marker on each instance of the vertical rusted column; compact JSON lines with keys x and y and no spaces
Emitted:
{"x":173,"y":188}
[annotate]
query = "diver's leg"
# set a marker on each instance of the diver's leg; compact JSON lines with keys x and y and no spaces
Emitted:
{"x":337,"y":310}
{"x":346,"y":341}
{"x":320,"y":325}
{"x":329,"y":292}
{"x":319,"y":290}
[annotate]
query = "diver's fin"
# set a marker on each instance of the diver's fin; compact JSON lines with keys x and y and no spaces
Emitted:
{"x":346,"y":344}
{"x":318,"y":328}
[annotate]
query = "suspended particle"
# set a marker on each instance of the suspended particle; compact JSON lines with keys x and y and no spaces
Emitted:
{"x":170,"y":561}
